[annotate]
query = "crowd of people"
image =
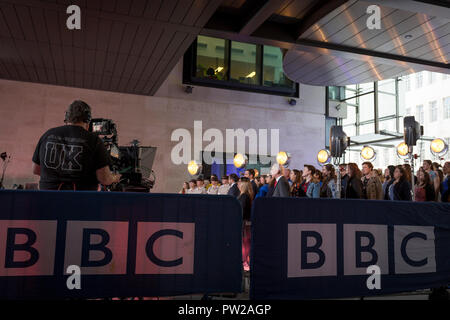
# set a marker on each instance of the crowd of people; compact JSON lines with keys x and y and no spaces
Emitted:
{"x":431,"y":183}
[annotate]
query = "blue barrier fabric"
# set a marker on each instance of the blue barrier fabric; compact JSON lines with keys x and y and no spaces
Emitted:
{"x":126,"y":244}
{"x":321,"y":248}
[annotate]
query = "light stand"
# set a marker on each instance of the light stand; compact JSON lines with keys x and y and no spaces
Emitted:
{"x":411,"y":157}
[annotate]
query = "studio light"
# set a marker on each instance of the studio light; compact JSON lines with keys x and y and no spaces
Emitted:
{"x":193,"y":168}
{"x":239,"y":160}
{"x":256,"y":173}
{"x":412,"y":131}
{"x":338,"y":141}
{"x":438,"y":147}
{"x":283,"y":158}
{"x":402,"y":150}
{"x":323,"y":157}
{"x":368,"y":153}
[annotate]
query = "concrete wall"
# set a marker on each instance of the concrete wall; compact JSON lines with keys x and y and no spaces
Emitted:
{"x":27,"y":110}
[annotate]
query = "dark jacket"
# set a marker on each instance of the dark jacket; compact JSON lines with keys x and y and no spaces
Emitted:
{"x":255,"y":188}
{"x":386,"y":190}
{"x":354,"y":188}
{"x":344,"y":181}
{"x":282,"y":188}
{"x":234,"y":191}
{"x":246,"y":204}
{"x":402,"y":191}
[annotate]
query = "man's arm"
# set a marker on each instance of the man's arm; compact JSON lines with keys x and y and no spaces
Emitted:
{"x":36,"y":169}
{"x":106,"y":177}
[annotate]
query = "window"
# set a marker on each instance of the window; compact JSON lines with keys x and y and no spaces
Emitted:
{"x":433,"y":111}
{"x":244,"y":66}
{"x":419,"y":113}
{"x":336,"y":93}
{"x":408,"y":112}
{"x":273,"y":68}
{"x":227,"y":64}
{"x":446,"y":107}
{"x":431,"y":77}
{"x":408,"y":83}
{"x":419,"y":80}
{"x":211,"y":59}
{"x":445,"y":76}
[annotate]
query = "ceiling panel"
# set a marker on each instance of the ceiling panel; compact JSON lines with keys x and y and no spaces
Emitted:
{"x":126,"y":46}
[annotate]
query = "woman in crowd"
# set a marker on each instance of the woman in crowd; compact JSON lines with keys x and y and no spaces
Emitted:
{"x":388,"y":180}
{"x":296,"y":188}
{"x":328,"y":188}
{"x":400,"y":189}
{"x":214,"y":188}
{"x":315,"y":184}
{"x":354,"y":184}
{"x":424,"y":190}
{"x":245,"y":198}
{"x":265,"y":181}
{"x":192,"y":186}
{"x":185,"y":188}
{"x":408,"y":173}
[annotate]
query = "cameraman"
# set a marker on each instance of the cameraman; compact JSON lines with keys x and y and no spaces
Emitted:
{"x":72,"y":158}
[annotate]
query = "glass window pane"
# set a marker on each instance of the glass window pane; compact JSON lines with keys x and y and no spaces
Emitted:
{"x":446,"y":107}
{"x":244,"y":67}
{"x":388,"y":125}
{"x":211,"y":58}
{"x":273,"y":68}
{"x":367,"y":128}
{"x":350,"y":131}
{"x":365,"y":87}
{"x":349,"y":94}
{"x":351,"y":116}
{"x":386,"y":105}
{"x":387,"y":86}
{"x":366,"y":106}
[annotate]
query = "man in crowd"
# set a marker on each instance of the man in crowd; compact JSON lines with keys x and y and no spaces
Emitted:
{"x":372,"y":188}
{"x":250,"y":174}
{"x":344,"y":179}
{"x":282,"y":188}
{"x":234,"y":189}
{"x":223,"y":189}
{"x":200,"y":187}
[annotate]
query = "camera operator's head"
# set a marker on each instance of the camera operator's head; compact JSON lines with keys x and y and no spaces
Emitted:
{"x":78,"y":114}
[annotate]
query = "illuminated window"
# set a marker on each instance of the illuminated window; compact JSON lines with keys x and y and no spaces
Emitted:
{"x":433,"y":111}
{"x":446,"y":105}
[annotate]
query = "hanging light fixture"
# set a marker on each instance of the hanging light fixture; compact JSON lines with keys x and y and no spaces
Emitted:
{"x":368,"y":153}
{"x":194,"y":168}
{"x":323,"y":157}
{"x":402,"y":150}
{"x":283,"y":158}
{"x":239,"y":160}
{"x":438,"y":147}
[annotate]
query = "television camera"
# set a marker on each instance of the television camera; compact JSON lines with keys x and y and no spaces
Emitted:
{"x":133,"y":162}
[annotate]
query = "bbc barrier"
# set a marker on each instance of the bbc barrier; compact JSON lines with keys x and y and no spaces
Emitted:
{"x":125,"y":245}
{"x":321,"y":248}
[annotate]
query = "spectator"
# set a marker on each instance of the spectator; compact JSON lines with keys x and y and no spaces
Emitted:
{"x":214,"y":188}
{"x":250,"y":174}
{"x":287,"y":175}
{"x":354,"y":185}
{"x":400,"y":189}
{"x":185,"y":188}
{"x":192,"y":186}
{"x":328,"y":188}
{"x":234,"y":190}
{"x":388,"y":180}
{"x":371,"y":184}
{"x":313,"y":190}
{"x":445,"y":187}
{"x":223,"y":189}
{"x":308,"y":172}
{"x":344,"y":179}
{"x":281,"y":186}
{"x":427,"y":165}
{"x":424,"y":190}
{"x":262,"y":192}
{"x":296,"y":188}
{"x":271,"y":187}
{"x":200,"y":187}
{"x":207,"y":183}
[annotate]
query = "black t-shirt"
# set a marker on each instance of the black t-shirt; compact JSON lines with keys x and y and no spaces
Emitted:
{"x":70,"y":155}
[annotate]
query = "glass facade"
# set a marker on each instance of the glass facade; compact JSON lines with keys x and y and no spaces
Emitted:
{"x":384,"y":106}
{"x":236,"y":65}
